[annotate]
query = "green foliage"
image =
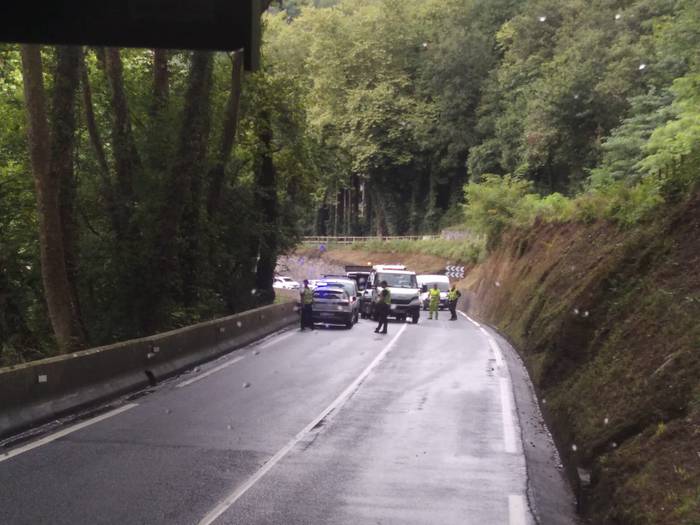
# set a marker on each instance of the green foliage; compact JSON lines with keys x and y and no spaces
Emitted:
{"x":121,"y":279}
{"x":380,"y":113}
{"x":624,"y":202}
{"x":23,"y":324}
{"x":624,"y":149}
{"x":568,"y":72}
{"x":497,"y":203}
{"x":678,"y":140}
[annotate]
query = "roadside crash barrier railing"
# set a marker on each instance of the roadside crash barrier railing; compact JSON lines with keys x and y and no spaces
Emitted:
{"x":40,"y":391}
{"x":353,"y":240}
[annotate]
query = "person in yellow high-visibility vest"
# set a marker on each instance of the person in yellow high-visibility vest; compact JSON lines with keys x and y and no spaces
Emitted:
{"x":452,"y":297}
{"x":307,"y":301}
{"x":434,"y":301}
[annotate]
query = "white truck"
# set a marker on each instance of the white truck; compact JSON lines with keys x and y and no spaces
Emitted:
{"x":403,"y":286}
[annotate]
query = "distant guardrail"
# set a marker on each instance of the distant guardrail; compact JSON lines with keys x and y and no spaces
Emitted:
{"x":355,"y":239}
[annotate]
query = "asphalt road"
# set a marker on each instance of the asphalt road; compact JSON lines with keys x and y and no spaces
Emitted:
{"x":335,"y":426}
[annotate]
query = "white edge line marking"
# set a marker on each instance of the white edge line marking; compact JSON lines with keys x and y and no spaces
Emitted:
{"x":62,"y":433}
{"x":494,"y":348}
{"x":516,"y":510}
{"x":507,"y":416}
{"x":472,"y":320}
{"x":228,"y":502}
{"x":210,"y":372}
{"x":277,"y":340}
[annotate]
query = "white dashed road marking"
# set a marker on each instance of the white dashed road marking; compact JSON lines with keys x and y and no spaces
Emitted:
{"x":62,"y":433}
{"x":210,"y":372}
{"x":231,"y":499}
{"x":277,"y":340}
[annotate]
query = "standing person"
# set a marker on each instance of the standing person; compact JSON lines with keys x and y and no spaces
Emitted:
{"x":434,"y":298}
{"x":307,"y":301}
{"x":382,"y":305}
{"x":452,"y":297}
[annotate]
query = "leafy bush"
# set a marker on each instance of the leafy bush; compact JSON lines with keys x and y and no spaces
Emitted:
{"x":495,"y":204}
{"x":498,"y":203}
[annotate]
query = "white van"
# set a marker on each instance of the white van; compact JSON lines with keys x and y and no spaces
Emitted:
{"x":403,"y":287}
{"x":426,"y":282}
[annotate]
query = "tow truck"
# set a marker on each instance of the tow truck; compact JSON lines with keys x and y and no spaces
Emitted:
{"x":403,"y":285}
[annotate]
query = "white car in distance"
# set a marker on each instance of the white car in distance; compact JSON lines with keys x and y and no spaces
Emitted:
{"x":285,"y":283}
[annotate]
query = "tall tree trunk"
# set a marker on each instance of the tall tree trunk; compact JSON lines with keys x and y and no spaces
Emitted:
{"x":228,"y":136}
{"x":181,"y":206}
{"x":369,"y":208}
{"x":192,"y":220}
{"x":355,"y":205}
{"x":414,"y":221}
{"x":98,"y":147}
{"x":57,"y":288}
{"x":125,"y":154}
{"x":348,"y":211}
{"x":158,"y":152}
{"x":380,"y":221}
{"x":63,"y":125}
{"x":430,"y":220}
{"x":266,"y":197}
{"x":340,"y":212}
{"x":161,"y":81}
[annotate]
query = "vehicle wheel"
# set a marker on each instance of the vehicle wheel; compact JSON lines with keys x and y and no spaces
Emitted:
{"x":349,"y":324}
{"x":357,"y":319}
{"x":415,"y":318}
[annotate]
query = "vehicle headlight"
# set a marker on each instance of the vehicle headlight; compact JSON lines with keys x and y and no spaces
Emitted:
{"x":415,"y":299}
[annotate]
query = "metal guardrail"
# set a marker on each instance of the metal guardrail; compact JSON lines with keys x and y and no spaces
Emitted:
{"x":356,"y":239}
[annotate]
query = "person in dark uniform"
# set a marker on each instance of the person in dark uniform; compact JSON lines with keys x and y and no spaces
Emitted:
{"x":383,"y":305}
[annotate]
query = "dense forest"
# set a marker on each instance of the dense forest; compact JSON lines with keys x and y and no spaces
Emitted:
{"x":564,"y":98}
{"x":146,"y":189}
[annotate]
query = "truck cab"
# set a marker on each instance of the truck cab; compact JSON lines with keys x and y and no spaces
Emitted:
{"x":360,"y":274}
{"x":405,"y":293}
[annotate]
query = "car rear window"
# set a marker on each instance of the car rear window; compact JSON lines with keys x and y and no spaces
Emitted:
{"x":324,"y":293}
{"x":347,"y":286}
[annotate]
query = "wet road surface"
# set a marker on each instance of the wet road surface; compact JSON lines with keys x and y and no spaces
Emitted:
{"x":331,"y":427}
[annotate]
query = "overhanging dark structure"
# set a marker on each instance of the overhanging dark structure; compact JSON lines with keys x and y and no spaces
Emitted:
{"x":222,"y":25}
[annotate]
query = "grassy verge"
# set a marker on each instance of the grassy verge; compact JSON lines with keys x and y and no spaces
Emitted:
{"x":467,"y":252}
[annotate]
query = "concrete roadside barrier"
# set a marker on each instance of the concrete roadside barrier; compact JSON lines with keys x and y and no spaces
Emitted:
{"x":39,"y":391}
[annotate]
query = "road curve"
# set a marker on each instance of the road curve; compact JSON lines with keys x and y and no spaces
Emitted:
{"x":335,"y":426}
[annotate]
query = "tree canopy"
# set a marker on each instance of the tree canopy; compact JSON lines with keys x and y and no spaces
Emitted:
{"x":172,"y":179}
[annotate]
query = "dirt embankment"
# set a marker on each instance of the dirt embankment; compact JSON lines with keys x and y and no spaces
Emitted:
{"x":608,"y":322}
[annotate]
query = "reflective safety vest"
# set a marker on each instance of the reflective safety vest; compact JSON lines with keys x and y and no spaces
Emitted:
{"x":307,"y":296}
{"x":434,"y":295}
{"x":386,"y":299}
{"x":452,"y":295}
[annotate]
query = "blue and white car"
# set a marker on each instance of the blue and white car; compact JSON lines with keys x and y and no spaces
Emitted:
{"x":332,"y":306}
